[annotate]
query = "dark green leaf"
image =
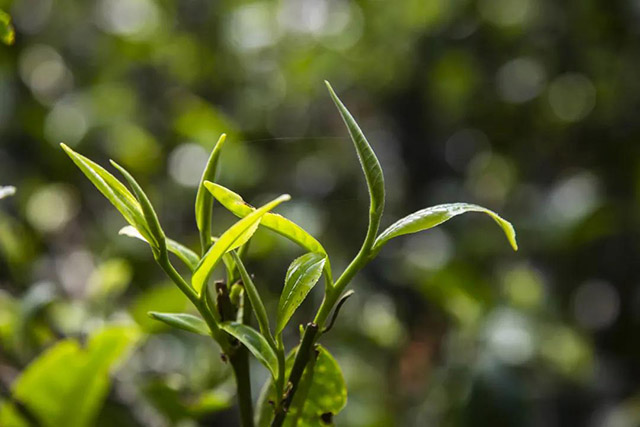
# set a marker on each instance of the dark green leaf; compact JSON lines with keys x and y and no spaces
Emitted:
{"x":256,"y":343}
{"x":430,"y":217}
{"x":229,"y":241}
{"x":369,"y":162}
{"x":302,"y":275}
{"x":254,"y":296}
{"x":184,"y":321}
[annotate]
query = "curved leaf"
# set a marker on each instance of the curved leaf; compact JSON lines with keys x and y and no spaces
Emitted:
{"x":321,"y":391}
{"x":369,"y":163}
{"x":256,"y":343}
{"x":6,"y":191}
{"x":302,"y":275}
{"x":186,"y":255}
{"x":430,"y":217}
{"x":113,"y":190}
{"x":254,"y":296}
{"x":277,"y":223}
{"x":228,"y":241}
{"x":204,"y":201}
{"x":184,"y":321}
{"x":150,"y":216}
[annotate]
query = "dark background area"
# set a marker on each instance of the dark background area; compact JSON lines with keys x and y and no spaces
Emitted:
{"x":527,"y":107}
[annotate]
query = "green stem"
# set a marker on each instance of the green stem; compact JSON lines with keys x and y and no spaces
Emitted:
{"x":311,"y":332}
{"x":240,"y":364}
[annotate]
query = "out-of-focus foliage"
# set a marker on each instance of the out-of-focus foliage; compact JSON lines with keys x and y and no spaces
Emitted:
{"x":528,"y":107}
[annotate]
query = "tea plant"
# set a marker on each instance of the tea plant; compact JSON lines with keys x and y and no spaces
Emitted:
{"x":306,"y":386}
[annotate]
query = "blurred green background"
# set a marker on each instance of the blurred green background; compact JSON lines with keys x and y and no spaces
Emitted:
{"x":528,"y":107}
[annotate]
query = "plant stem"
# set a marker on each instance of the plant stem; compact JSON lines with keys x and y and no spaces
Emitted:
{"x":240,"y":364}
{"x":302,"y":358}
{"x":311,"y":332}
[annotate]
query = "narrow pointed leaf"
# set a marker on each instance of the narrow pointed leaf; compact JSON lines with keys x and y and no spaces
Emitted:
{"x":112,"y":189}
{"x":183,"y":321}
{"x":149,"y":213}
{"x":369,"y":162}
{"x":277,"y":223}
{"x":186,"y":255}
{"x":204,"y":201}
{"x":302,"y":275}
{"x":226,"y":242}
{"x":256,"y":343}
{"x":430,"y":217}
{"x":254,"y":296}
{"x":7,"y":191}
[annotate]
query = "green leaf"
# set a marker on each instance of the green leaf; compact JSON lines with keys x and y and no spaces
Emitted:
{"x":113,"y":190}
{"x":228,"y":241}
{"x":184,"y":321}
{"x":302,"y":275}
{"x":370,"y":165}
{"x":149,"y":213}
{"x":7,"y":33}
{"x":254,"y":296}
{"x":256,"y":343}
{"x":277,"y":223}
{"x":204,"y":201}
{"x":322,"y":390}
{"x":67,"y":384}
{"x":6,"y":191}
{"x":186,"y":255}
{"x":430,"y":217}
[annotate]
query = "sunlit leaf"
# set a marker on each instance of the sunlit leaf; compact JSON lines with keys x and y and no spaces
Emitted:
{"x":67,"y":384}
{"x":6,"y":191}
{"x":369,"y":162}
{"x":256,"y":343}
{"x":302,"y":275}
{"x":281,"y":225}
{"x":184,"y":321}
{"x":150,"y":216}
{"x":7,"y":33}
{"x":186,"y":255}
{"x":321,"y":393}
{"x":113,"y":190}
{"x":204,"y":201}
{"x":228,"y":241}
{"x":430,"y":217}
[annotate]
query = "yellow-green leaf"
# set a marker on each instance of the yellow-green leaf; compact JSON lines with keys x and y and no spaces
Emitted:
{"x":186,"y":255}
{"x":7,"y":33}
{"x":228,"y":241}
{"x":113,"y":190}
{"x":256,"y":343}
{"x":184,"y":321}
{"x":430,"y":217}
{"x":277,"y":223}
{"x":204,"y":201}
{"x":302,"y":275}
